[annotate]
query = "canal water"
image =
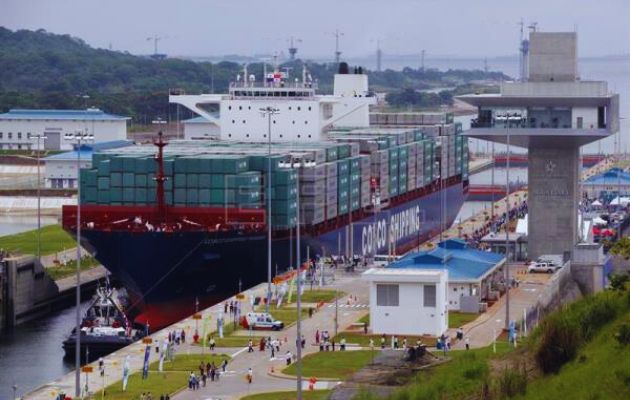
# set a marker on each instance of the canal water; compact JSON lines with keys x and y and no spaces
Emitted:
{"x":12,"y":224}
{"x":31,"y":354}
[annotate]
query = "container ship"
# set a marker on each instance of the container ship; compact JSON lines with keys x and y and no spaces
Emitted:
{"x":185,"y":223}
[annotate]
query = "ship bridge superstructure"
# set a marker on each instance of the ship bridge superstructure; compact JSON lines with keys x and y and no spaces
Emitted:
{"x":299,"y":113}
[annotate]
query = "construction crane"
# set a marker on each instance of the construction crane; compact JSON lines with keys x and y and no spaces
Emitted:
{"x":156,"y":39}
{"x":337,"y":34}
{"x":292,"y":48}
{"x":524,"y":49}
{"x":422,"y":60}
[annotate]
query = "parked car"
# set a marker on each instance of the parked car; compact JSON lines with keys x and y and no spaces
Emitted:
{"x":545,"y":266}
{"x":383,"y":260}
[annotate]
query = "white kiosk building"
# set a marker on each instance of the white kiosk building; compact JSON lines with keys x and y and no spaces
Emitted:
{"x":408,"y":301}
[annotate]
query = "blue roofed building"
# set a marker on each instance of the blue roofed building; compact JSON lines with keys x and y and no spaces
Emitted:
{"x":474,"y":276}
{"x":60,"y":170}
{"x":20,"y":128}
{"x":608,"y":184}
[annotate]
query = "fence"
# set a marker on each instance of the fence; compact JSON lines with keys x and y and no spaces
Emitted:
{"x":546,"y":299}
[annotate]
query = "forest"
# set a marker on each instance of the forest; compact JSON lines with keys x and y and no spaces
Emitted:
{"x":39,"y":69}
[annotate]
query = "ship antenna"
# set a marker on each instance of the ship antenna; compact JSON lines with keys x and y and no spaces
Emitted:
{"x":160,"y":178}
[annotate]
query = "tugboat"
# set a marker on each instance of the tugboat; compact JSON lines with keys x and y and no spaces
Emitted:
{"x":104,"y":328}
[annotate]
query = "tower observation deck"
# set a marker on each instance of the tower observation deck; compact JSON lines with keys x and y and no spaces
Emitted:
{"x":552,"y":113}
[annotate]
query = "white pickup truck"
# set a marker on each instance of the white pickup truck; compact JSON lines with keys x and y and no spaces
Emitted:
{"x":543,"y":266}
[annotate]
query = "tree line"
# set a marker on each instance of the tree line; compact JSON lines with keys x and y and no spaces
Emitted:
{"x":39,"y":69}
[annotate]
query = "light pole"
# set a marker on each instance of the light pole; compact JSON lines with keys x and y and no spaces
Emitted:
{"x":39,"y":136}
{"x":79,"y":138}
{"x":298,"y":341}
{"x":268,"y":112}
{"x":507,"y":221}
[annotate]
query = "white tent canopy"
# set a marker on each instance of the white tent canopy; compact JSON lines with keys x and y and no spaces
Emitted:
{"x":599,"y":221}
{"x":597,"y":203}
{"x":624,"y":201}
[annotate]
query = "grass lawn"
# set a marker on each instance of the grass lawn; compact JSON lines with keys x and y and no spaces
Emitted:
{"x":457,"y":319}
{"x":335,"y":365}
{"x":365,"y":319}
{"x":64,"y":271}
{"x":317,"y":295}
{"x":364,"y":340}
{"x":306,"y":395}
{"x":53,"y":239}
{"x":601,"y":370}
{"x":174,"y":378}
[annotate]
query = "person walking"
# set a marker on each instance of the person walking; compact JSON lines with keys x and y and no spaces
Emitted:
{"x":467,"y":341}
{"x":383,"y":342}
{"x":250,"y":346}
{"x":224,"y":365}
{"x":250,"y":375}
{"x":317,"y":336}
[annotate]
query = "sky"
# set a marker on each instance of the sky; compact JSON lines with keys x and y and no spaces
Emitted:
{"x":207,"y":28}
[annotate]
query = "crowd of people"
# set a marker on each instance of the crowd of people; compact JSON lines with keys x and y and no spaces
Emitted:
{"x":207,"y":372}
{"x":495,"y":224}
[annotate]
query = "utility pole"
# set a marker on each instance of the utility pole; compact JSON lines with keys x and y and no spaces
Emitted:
{"x":269,"y":112}
{"x":39,"y":136}
{"x":79,"y":138}
{"x":507,"y":222}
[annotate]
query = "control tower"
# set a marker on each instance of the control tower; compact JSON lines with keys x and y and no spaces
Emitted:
{"x":552,"y":113}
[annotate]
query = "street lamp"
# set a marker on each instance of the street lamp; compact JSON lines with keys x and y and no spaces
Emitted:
{"x":507,"y":221}
{"x":268,"y":112}
{"x":298,"y":342}
{"x":39,"y":136}
{"x":78,"y":138}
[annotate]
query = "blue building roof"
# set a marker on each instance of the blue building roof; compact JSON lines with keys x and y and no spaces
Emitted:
{"x":613,"y":176}
{"x":89,"y":114}
{"x":454,"y":255}
{"x":88,"y":149}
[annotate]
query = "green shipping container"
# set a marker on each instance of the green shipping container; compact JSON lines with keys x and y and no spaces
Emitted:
{"x":355,"y":165}
{"x":192,"y":180}
{"x":192,"y":196}
{"x":284,"y":192}
{"x":141,"y":180}
{"x":205,"y":181}
{"x":332,"y":154}
{"x":103,"y":197}
{"x":128,"y":194}
{"x":180,"y":196}
{"x":116,"y":179}
{"x":103,"y":183}
{"x":116,"y":194}
{"x":284,"y":177}
{"x":343,"y":151}
{"x":128,"y":179}
{"x":104,"y":168}
{"x":140,"y":195}
{"x":343,"y":167}
{"x":180,"y":180}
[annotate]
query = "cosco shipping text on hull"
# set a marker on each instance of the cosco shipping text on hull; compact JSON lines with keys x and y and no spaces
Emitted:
{"x":166,"y":271}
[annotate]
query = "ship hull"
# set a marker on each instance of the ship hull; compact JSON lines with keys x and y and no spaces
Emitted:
{"x":167,"y":273}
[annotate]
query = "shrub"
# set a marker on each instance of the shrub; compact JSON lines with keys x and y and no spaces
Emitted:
{"x":623,"y":334}
{"x":512,"y":382}
{"x":562,"y":334}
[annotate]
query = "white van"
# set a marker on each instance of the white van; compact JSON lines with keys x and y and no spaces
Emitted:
{"x":383,"y":260}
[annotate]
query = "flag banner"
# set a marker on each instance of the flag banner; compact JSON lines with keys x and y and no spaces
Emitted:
{"x":125,"y":373}
{"x":145,"y":367}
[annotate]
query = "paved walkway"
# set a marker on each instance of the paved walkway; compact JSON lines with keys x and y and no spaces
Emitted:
{"x":233,"y":384}
{"x":482,"y":331}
